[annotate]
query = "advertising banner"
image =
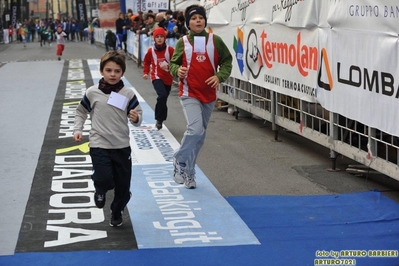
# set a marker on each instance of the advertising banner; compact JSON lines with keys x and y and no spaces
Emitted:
{"x":364,"y":83}
{"x":81,"y":10}
{"x":145,"y":5}
{"x":131,"y":4}
{"x":341,"y":54}
{"x":295,"y":14}
{"x":369,"y":15}
{"x":276,"y":57}
{"x":15,"y":12}
{"x":109,"y":13}
{"x":267,"y":52}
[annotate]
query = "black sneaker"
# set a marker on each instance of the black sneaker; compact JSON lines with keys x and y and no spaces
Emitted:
{"x":99,"y":199}
{"x":116,"y":219}
{"x":158,"y":125}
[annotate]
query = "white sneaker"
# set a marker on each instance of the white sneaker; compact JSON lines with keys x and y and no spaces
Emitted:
{"x":189,"y":181}
{"x":178,"y":172}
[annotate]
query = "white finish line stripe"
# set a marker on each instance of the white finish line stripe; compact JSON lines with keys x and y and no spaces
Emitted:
{"x":165,"y":214}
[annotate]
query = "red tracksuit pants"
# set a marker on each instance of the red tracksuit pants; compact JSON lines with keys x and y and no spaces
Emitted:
{"x":60,"y":49}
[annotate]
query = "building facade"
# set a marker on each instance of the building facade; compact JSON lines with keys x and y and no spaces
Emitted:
{"x":21,"y":10}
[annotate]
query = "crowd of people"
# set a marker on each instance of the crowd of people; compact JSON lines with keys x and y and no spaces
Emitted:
{"x":44,"y":30}
{"x":172,"y":22}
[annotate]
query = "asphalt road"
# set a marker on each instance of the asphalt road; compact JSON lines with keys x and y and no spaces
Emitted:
{"x":240,"y":156}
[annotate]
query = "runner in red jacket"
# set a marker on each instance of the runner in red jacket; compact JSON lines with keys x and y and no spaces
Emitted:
{"x":157,"y":60}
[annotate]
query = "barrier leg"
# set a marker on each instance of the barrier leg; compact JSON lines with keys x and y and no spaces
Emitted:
{"x":333,"y":157}
{"x":275,"y":127}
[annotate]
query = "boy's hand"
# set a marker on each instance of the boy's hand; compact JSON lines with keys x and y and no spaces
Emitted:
{"x":145,"y":76}
{"x":181,"y":72}
{"x":213,"y":81}
{"x":77,"y":137}
{"x":133,"y":116}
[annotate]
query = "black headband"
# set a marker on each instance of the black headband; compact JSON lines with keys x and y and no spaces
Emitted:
{"x":192,"y":11}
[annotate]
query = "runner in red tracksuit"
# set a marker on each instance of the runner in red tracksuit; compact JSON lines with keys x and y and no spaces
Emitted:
{"x":157,"y":59}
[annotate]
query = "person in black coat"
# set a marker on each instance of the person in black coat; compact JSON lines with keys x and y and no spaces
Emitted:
{"x":120,"y":24}
{"x":110,"y":40}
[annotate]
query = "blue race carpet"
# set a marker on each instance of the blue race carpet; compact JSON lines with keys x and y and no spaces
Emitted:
{"x":292,"y":230}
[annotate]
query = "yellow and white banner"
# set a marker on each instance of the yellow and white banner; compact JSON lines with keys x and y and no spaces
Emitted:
{"x":342,"y":54}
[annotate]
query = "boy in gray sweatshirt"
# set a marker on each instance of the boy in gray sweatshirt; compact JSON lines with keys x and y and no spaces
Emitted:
{"x":111,"y":106}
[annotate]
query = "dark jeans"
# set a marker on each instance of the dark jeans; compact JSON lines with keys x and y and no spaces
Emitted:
{"x":113,"y":169}
{"x":163,"y":91}
{"x":43,"y":39}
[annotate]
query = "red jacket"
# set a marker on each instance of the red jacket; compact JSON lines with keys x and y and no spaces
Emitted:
{"x":201,"y":66}
{"x":154,"y":59}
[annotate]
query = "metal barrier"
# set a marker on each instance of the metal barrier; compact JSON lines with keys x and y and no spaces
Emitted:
{"x":368,"y":146}
{"x":137,"y":46}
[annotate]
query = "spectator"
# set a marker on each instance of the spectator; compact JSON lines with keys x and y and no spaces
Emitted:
{"x":138,"y":22}
{"x":150,"y":25}
{"x":171,"y":19}
{"x":23,"y":31}
{"x":161,"y":21}
{"x":180,"y":29}
{"x":110,"y":40}
{"x":43,"y":35}
{"x":90,"y":30}
{"x":74,"y":27}
{"x":66,"y":27}
{"x":120,"y":25}
{"x":49,"y":34}
{"x":32,"y":30}
{"x":82,"y":25}
{"x":17,"y":27}
{"x":129,"y":20}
